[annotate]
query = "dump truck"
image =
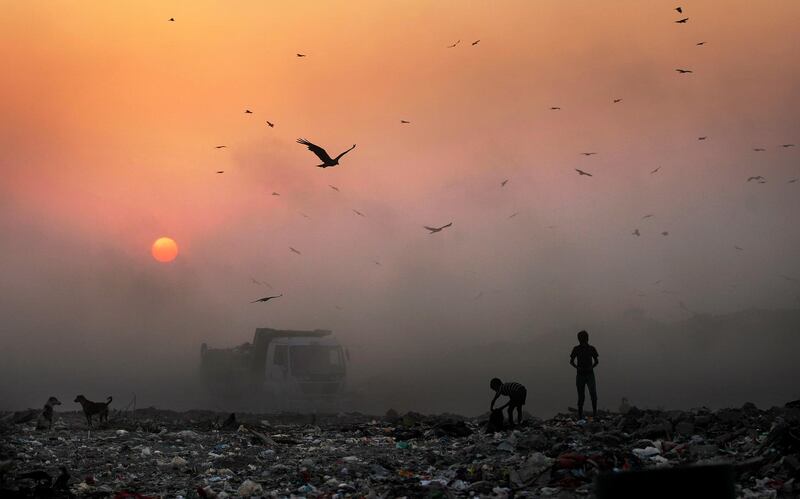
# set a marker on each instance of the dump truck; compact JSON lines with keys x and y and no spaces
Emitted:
{"x":280,"y":369}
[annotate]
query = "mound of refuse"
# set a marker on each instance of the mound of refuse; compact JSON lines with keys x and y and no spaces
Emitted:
{"x":152,"y":453}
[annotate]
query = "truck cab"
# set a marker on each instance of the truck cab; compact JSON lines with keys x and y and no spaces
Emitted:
{"x":302,"y":367}
{"x":280,"y":369}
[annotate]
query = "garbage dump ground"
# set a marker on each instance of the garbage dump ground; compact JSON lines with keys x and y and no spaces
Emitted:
{"x":157,"y":453}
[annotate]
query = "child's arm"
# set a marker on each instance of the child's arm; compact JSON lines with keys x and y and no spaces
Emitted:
{"x":572,"y":357}
{"x":595,"y":358}
{"x":496,"y":395}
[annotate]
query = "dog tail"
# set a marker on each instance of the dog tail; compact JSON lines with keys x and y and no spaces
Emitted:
{"x":108,"y":400}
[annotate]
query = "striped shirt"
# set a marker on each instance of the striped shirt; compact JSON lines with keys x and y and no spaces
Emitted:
{"x":512,"y":388}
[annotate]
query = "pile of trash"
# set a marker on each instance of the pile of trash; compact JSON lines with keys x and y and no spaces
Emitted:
{"x":153,"y":453}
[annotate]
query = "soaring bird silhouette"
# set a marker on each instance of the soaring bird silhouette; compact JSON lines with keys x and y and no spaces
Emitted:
{"x":702,"y":138}
{"x":655,"y":171}
{"x":434,"y":230}
{"x":757,"y":177}
{"x":617,"y":100}
{"x":503,"y":183}
{"x":171,"y":19}
{"x":792,"y":181}
{"x":304,"y":215}
{"x":588,"y":153}
{"x":581,"y":172}
{"x":274,"y":193}
{"x":513,"y":215}
{"x":684,"y":71}
{"x":247,"y":111}
{"x":220,"y":171}
{"x":300,"y":55}
{"x":359,"y":213}
{"x":453,"y":45}
{"x":682,"y":21}
{"x":327,"y":161}
{"x":759,"y":149}
{"x":294,"y":250}
{"x":267,"y":298}
{"x":405,"y":122}
{"x":333,"y":187}
{"x":679,"y":9}
{"x":555,"y":108}
{"x":649,"y":215}
{"x":787,"y":145}
{"x":700,"y":43}
{"x":220,"y":147}
{"x":738,"y":248}
{"x":665,"y":233}
{"x":636,"y":232}
{"x":270,"y":124}
{"x":475,"y":42}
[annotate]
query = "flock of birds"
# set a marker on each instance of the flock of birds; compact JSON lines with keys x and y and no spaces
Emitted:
{"x":328,"y":161}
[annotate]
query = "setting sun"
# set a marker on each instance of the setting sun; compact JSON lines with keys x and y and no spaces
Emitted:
{"x":164,"y":249}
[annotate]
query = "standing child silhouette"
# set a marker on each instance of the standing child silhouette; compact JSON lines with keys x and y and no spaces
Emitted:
{"x":584,"y":360}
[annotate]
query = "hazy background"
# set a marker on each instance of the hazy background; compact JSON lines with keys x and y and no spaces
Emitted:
{"x":108,"y":123}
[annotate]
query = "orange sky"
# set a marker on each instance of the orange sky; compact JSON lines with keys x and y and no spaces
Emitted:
{"x":112,"y":113}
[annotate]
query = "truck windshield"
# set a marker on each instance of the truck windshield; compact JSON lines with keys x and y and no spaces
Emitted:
{"x":316,"y":359}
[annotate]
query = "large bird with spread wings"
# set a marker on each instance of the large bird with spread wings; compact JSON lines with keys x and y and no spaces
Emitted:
{"x":323,"y":155}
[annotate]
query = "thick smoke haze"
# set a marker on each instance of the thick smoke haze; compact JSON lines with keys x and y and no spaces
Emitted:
{"x":107,"y":142}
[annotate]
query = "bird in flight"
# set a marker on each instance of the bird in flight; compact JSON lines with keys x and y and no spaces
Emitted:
{"x":255,"y":281}
{"x":759,"y":178}
{"x":475,"y":42}
{"x":649,"y":215}
{"x":636,"y":232}
{"x":294,"y":250}
{"x":655,"y":171}
{"x":513,"y":215}
{"x":327,"y":161}
{"x":300,"y":55}
{"x":787,"y":145}
{"x":276,"y":193}
{"x":665,"y":233}
{"x":684,"y":71}
{"x":581,"y":172}
{"x":555,"y":108}
{"x":172,"y":19}
{"x":738,"y":248}
{"x":405,"y":122}
{"x":700,"y":43}
{"x":792,"y":181}
{"x":434,"y":230}
{"x":220,"y":171}
{"x":503,"y":183}
{"x":270,"y":124}
{"x":617,"y":100}
{"x":333,"y":187}
{"x":247,"y":111}
{"x":219,"y":147}
{"x":304,"y":215}
{"x":588,"y":153}
{"x":759,"y":149}
{"x":453,"y":45}
{"x":679,"y":9}
{"x":702,"y":138}
{"x":267,"y":298}
{"x":359,"y":213}
{"x":682,"y":21}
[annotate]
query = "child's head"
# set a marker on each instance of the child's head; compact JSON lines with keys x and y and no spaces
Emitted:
{"x":583,"y":337}
{"x":495,"y":384}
